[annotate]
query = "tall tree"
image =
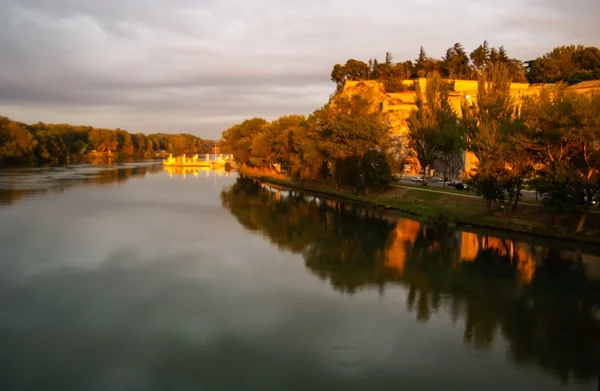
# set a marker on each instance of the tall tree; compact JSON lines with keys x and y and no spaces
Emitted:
{"x":421,"y":62}
{"x":489,"y":129}
{"x":388,"y":58}
{"x":272,"y":147}
{"x":565,"y":128}
{"x":16,"y":143}
{"x":430,"y":125}
{"x":239,"y":138}
{"x":480,"y":56}
{"x":455,"y":64}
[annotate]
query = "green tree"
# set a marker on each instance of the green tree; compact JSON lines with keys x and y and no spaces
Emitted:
{"x":272,"y":147}
{"x":480,"y":56}
{"x":455,"y":64}
{"x":353,"y":127}
{"x":16,"y":143}
{"x":432,"y":127}
{"x":571,"y":64}
{"x":491,"y":134}
{"x":565,"y":128}
{"x":238,"y":139}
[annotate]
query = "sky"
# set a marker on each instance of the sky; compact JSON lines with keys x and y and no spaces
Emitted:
{"x":201,"y":66}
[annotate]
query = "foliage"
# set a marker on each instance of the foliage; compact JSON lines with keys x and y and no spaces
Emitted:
{"x":59,"y":143}
{"x":272,"y":147}
{"x":432,"y":127}
{"x":347,"y":138}
{"x":239,"y":138}
{"x":571,"y":64}
{"x":352,"y":70}
{"x":496,"y":138}
{"x":455,"y":64}
{"x":565,"y":135}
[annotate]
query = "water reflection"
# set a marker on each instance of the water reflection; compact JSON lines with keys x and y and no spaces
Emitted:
{"x":541,"y":298}
{"x":18,"y":183}
{"x":197,"y":171}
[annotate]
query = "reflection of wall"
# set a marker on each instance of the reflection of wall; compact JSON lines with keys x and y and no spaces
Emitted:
{"x":471,"y":244}
{"x":405,"y":235}
{"x":547,"y":319}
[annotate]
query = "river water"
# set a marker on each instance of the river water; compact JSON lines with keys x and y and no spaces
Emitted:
{"x":127,"y":277}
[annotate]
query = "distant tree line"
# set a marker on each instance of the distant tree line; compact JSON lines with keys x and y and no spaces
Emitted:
{"x":570,"y":64}
{"x":58,"y":143}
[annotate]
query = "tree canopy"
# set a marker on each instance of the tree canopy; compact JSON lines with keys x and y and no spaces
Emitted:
{"x":58,"y":143}
{"x":432,"y":127}
{"x":571,"y":64}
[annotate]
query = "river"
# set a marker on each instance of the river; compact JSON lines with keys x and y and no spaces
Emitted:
{"x":129,"y":277}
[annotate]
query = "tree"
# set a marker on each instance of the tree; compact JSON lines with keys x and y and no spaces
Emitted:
{"x":571,"y":64}
{"x":239,"y":138}
{"x":307,"y":159}
{"x":356,"y":70}
{"x":455,"y":64}
{"x":480,"y":56}
{"x":420,"y":63}
{"x":374,"y":70}
{"x":565,"y":128}
{"x":272,"y":147}
{"x":338,"y":75}
{"x":353,"y":127}
{"x":491,"y":134}
{"x":388,"y":58}
{"x":432,"y":126}
{"x":16,"y":143}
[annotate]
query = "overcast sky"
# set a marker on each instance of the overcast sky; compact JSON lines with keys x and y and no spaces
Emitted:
{"x":201,"y":66}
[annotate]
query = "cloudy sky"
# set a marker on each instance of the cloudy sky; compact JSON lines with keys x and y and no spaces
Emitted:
{"x":200,"y":66}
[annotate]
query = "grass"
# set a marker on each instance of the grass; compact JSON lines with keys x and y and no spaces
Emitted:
{"x":449,"y":207}
{"x":441,"y":189}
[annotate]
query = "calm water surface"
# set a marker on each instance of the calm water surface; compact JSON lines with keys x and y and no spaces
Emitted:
{"x":127,"y":277}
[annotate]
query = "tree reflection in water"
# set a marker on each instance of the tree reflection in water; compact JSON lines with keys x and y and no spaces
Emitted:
{"x":543,"y":298}
{"x":18,"y":183}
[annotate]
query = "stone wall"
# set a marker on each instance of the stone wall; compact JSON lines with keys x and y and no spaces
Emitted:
{"x":397,"y":106}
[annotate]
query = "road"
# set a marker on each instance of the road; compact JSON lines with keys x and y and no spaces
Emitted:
{"x":435,"y":184}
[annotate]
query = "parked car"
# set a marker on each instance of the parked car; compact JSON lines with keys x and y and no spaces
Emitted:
{"x":459,"y":185}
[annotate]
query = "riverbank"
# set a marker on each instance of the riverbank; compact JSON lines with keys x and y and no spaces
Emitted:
{"x":450,"y":208}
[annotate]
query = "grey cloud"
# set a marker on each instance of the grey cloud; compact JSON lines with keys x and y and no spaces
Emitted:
{"x":201,"y":66}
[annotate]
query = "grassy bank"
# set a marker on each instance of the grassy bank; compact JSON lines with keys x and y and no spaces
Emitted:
{"x":452,"y":208}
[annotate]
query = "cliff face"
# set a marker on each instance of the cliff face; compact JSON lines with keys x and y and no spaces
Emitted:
{"x":397,"y":106}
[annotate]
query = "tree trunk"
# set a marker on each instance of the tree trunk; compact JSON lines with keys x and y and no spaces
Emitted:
{"x":425,"y":176}
{"x":518,"y":195}
{"x":582,"y":221}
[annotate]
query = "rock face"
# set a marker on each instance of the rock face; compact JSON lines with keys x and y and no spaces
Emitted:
{"x":397,"y":106}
